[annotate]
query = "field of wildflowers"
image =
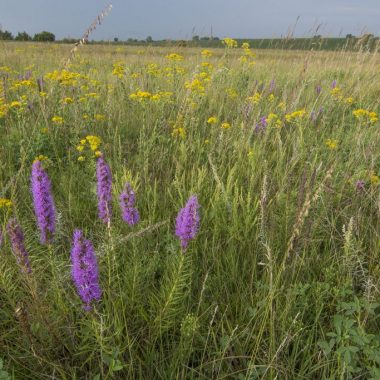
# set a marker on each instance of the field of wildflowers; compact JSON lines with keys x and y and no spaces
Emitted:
{"x":189,"y":214}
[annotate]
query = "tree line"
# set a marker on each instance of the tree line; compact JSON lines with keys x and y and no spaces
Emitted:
{"x":43,"y":36}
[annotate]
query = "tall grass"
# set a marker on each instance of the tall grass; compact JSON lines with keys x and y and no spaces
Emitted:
{"x":282,"y":280}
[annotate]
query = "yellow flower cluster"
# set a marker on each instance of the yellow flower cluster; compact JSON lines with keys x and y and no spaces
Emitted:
{"x":365,"y":115}
{"x":331,"y":144}
{"x":93,"y":142}
{"x":142,"y":96}
{"x":212,"y":120}
{"x":375,"y":179}
{"x":255,"y":98}
{"x":274,"y":120}
{"x":229,"y":43}
{"x":206,"y":53}
{"x":118,"y":69}
{"x":41,"y":157}
{"x":58,"y":120}
{"x":65,"y":77}
{"x":295,"y":116}
{"x":4,"y":202}
{"x":175,"y":57}
{"x":248,"y":54}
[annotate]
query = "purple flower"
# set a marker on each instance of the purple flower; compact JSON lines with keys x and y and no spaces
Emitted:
{"x":104,"y":190}
{"x":1,"y":239}
{"x":318,"y":89}
{"x":360,"y":185}
{"x":16,"y":237}
{"x":44,"y":207}
{"x":333,"y":84}
{"x":261,"y":125}
{"x":127,"y":202}
{"x":187,"y":222}
{"x":84,"y":270}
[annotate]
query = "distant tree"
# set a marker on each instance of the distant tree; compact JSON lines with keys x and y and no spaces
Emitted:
{"x":44,"y":36}
{"x":205,"y":38}
{"x":149,"y":39}
{"x":5,"y":35}
{"x":348,"y":36}
{"x":23,"y":36}
{"x":115,"y":39}
{"x":317,"y":37}
{"x":195,"y":38}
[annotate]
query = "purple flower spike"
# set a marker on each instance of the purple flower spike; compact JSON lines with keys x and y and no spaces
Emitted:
{"x":318,"y":89}
{"x":187,"y":222}
{"x":127,"y":202}
{"x":16,"y":237}
{"x":44,"y":207}
{"x":261,"y":125}
{"x":333,"y":84}
{"x":104,"y":190}
{"x":84,"y":272}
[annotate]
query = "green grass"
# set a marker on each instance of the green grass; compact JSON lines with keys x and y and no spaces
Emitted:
{"x":282,"y":281}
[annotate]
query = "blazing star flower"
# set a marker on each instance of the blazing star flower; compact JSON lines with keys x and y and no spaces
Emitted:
{"x":104,"y":189}
{"x":261,"y":125}
{"x":84,"y":270}
{"x":318,"y":89}
{"x":127,"y":202}
{"x":16,"y":237}
{"x":44,"y":207}
{"x":187,"y":222}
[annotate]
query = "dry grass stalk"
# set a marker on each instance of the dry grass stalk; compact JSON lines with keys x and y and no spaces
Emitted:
{"x":87,"y":34}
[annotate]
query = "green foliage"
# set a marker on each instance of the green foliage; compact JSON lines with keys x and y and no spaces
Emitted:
{"x":44,"y":37}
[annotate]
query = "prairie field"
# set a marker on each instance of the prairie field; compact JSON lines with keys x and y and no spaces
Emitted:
{"x":241,"y":234}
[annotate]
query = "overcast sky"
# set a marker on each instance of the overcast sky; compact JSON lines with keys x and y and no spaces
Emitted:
{"x":180,"y":19}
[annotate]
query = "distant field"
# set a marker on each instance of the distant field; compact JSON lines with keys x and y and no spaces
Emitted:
{"x":281,"y":149}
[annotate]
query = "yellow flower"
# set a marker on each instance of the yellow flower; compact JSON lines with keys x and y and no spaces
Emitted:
{"x":206,"y":53}
{"x":295,"y":116}
{"x":255,"y":99}
{"x":250,"y":153}
{"x":4,"y":202}
{"x":98,"y":153}
{"x":15,"y":104}
{"x":67,"y":100}
{"x":349,"y":100}
{"x":94,"y":142}
{"x":175,"y":57}
{"x":375,"y":179}
{"x":81,"y":158}
{"x":57,"y":120}
{"x":207,"y":141}
{"x":41,"y":157}
{"x":80,"y":148}
{"x":212,"y":120}
{"x":99,"y":117}
{"x":331,"y":144}
{"x":229,"y":43}
{"x":179,"y":132}
{"x":365,"y":115}
{"x":43,"y":94}
{"x":225,"y":125}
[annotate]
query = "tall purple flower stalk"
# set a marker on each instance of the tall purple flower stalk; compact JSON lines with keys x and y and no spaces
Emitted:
{"x":16,"y":237}
{"x":187,"y":222}
{"x":44,"y":207}
{"x":104,"y":190}
{"x":84,"y":270}
{"x":127,"y":202}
